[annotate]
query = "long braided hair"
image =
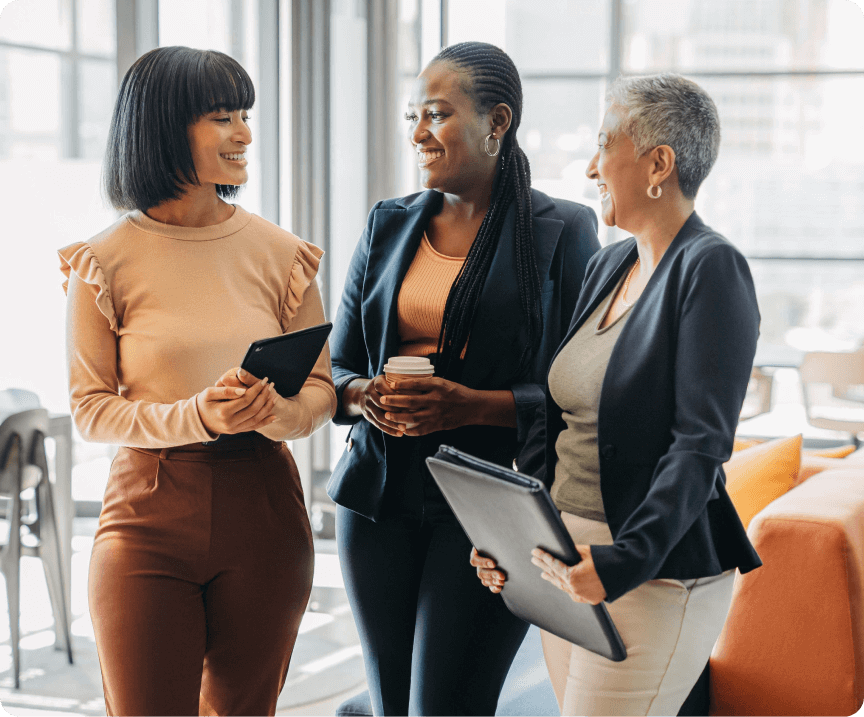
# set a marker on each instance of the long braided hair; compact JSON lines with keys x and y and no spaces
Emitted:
{"x":493,"y":79}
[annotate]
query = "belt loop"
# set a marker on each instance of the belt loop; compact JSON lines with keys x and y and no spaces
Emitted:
{"x":163,"y":454}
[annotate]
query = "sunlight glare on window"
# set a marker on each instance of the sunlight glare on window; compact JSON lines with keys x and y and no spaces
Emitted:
{"x":43,"y":23}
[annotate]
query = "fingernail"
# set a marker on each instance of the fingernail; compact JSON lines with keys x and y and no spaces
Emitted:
{"x":388,"y":416}
{"x":239,"y":391}
{"x":264,"y":381}
{"x":490,"y":564}
{"x":383,"y":399}
{"x":241,"y":372}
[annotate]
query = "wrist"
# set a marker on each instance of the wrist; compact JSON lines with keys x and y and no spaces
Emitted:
{"x":490,"y":408}
{"x":352,"y":397}
{"x":474,"y":407}
{"x":207,"y":428}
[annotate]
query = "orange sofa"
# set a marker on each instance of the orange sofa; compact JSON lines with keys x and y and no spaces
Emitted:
{"x":793,"y":643}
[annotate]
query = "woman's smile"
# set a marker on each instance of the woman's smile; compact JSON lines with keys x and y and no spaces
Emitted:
{"x":425,"y":157}
{"x":236,"y":158}
{"x":605,"y":195}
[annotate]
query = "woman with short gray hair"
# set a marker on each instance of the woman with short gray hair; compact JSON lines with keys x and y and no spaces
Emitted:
{"x":642,"y":402}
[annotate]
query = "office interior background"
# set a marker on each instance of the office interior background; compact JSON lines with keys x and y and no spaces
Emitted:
{"x":329,"y":140}
{"x":332,"y":80}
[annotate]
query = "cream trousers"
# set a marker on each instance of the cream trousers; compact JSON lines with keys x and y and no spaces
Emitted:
{"x":669,"y":628}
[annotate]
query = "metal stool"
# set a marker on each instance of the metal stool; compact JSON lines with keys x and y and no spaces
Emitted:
{"x":23,"y":465}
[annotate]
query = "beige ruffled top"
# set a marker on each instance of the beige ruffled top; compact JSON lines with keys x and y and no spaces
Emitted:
{"x":157,"y":313}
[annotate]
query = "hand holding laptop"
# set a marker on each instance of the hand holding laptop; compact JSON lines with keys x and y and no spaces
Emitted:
{"x":579,"y":581}
{"x":507,"y":516}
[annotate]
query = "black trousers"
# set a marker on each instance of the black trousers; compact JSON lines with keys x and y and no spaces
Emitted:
{"x":435,"y":641}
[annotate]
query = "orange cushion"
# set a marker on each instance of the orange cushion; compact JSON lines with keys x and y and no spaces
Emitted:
{"x":741,"y":443}
{"x":811,"y":465}
{"x":840,"y":452}
{"x":755,"y":476}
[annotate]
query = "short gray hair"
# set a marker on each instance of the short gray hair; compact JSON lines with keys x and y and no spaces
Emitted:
{"x":672,"y":110}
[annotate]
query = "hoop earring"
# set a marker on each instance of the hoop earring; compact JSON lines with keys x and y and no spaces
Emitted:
{"x":651,"y":193}
{"x":497,"y":145}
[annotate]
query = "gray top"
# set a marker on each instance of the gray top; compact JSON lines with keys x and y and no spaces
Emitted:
{"x":575,"y":381}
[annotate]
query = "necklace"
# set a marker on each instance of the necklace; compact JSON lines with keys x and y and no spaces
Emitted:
{"x":627,"y":285}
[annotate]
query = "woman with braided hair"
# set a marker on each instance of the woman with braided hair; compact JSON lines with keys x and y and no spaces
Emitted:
{"x":480,"y":273}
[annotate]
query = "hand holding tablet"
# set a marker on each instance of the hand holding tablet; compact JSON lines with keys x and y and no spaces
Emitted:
{"x":281,"y":364}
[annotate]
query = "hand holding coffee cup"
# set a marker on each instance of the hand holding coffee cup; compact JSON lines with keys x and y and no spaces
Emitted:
{"x":422,"y":402}
{"x":402,"y":368}
{"x":366,"y":396}
{"x":398,"y":368}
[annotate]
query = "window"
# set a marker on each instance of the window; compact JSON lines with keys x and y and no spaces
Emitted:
{"x":57,"y":89}
{"x":788,"y":80}
{"x":229,"y":26}
{"x":58,"y":84}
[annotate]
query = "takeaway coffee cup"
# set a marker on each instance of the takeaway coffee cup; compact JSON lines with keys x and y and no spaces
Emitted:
{"x":402,"y":367}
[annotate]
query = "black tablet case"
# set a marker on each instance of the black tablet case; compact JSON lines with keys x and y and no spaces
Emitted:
{"x":287,"y":360}
{"x":506,"y":515}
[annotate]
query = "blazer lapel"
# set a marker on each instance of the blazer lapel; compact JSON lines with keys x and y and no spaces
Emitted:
{"x":608,"y":277}
{"x":597,"y":290}
{"x":547,"y":231}
{"x":397,"y":236}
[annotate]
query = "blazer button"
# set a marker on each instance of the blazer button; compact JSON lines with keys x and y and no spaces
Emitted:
{"x":608,"y":451}
{"x":350,"y":443}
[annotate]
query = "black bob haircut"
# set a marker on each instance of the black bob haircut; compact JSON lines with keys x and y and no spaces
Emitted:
{"x":148,"y":160}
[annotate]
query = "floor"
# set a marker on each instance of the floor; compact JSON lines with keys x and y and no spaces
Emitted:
{"x":326,"y":669}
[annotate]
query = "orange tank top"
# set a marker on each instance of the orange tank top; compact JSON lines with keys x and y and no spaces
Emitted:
{"x":422,"y":298}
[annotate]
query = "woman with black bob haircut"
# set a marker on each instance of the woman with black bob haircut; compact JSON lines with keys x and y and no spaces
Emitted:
{"x":202,"y":563}
{"x":481,"y":273}
{"x":148,"y":161}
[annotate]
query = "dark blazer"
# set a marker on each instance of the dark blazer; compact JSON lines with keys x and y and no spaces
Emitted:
{"x":365,"y":333}
{"x":668,"y":409}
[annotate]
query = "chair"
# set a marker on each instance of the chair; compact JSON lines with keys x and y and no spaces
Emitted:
{"x":13,"y":400}
{"x":24,"y":465}
{"x":758,"y":398}
{"x":829,"y":380}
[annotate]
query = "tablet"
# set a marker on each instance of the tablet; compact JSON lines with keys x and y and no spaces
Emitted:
{"x":287,"y":360}
{"x":506,"y":515}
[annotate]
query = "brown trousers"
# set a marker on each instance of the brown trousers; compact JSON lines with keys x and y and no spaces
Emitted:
{"x":200,"y":573}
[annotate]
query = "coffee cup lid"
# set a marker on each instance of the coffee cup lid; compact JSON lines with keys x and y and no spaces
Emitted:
{"x":409,"y":365}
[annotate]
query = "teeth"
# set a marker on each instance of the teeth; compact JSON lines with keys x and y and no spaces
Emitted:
{"x":239,"y":155}
{"x":429,"y":154}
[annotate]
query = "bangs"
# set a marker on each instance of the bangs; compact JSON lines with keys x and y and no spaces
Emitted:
{"x":217,"y":82}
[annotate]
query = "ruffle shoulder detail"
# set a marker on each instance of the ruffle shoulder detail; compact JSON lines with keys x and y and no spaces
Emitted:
{"x":303,"y":272}
{"x":79,"y":258}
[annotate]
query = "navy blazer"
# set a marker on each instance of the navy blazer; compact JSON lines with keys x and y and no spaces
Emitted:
{"x":365,"y":333}
{"x":668,"y":410}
